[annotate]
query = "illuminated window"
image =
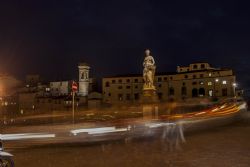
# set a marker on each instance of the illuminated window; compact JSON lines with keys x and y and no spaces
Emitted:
{"x":224,"y":82}
{"x":209,"y":83}
{"x":210,"y":93}
{"x":210,"y":74}
{"x":201,"y":83}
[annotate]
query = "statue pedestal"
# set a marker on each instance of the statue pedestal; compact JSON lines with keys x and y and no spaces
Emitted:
{"x":149,"y":96}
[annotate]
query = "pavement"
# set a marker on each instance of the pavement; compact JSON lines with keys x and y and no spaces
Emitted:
{"x":227,"y":145}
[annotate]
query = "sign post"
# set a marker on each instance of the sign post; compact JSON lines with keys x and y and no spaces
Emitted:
{"x":74,"y":89}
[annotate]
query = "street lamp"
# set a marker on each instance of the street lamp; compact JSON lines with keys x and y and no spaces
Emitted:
{"x":216,"y":81}
{"x":234,"y":88}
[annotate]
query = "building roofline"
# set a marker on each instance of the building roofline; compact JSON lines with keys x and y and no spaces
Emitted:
{"x":168,"y":73}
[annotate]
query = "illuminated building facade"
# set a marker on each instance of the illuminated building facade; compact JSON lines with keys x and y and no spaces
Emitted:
{"x":194,"y":81}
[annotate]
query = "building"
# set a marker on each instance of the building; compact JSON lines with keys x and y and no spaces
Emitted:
{"x":60,"y":88}
{"x":83,"y":79}
{"x":195,"y":80}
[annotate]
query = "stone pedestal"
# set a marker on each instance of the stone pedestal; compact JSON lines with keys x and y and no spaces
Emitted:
{"x":149,"y":96}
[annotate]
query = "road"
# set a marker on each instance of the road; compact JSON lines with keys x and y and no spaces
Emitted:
{"x":137,"y":142}
{"x":222,"y":146}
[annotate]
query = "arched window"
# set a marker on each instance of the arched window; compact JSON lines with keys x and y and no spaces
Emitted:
{"x":201,"y":92}
{"x":194,"y":92}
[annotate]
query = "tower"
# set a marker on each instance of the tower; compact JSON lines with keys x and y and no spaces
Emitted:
{"x":83,"y":79}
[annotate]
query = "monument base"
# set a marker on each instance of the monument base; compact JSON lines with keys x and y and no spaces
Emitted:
{"x":149,"y":96}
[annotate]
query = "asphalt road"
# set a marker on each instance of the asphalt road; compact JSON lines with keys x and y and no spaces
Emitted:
{"x":222,"y":146}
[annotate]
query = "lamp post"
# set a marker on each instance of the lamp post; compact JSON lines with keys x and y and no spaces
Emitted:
{"x":216,"y":81}
{"x":234,"y":88}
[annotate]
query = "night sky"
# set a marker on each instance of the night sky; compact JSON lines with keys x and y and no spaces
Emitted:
{"x":50,"y":37}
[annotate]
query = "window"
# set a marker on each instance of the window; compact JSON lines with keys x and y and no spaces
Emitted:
{"x":183,"y":83}
{"x":171,"y":78}
{"x":183,"y":91}
{"x":224,"y":82}
{"x":201,"y":75}
{"x":136,"y":86}
{"x":210,"y":93}
{"x":165,"y":78}
{"x":119,"y":87}
{"x":194,"y":83}
{"x":136,"y":96}
{"x":224,"y":92}
{"x":201,"y":92}
{"x":160,"y":96}
{"x":159,"y":85}
{"x":171,"y":91}
{"x":136,"y":80}
{"x":186,"y":76}
{"x":128,"y":80}
{"x":201,"y":83}
{"x":127,"y":96}
{"x":159,"y":79}
{"x":120,"y":97}
{"x":109,"y":94}
{"x":210,"y":74}
{"x":202,"y":66}
{"x":107,"y":84}
{"x":209,"y":83}
{"x":128,"y":87}
{"x":113,"y":81}
{"x":195,"y":66}
{"x":194,"y":92}
{"x":120,"y":81}
{"x":194,"y":76}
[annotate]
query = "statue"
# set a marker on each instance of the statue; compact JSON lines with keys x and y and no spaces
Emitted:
{"x":148,"y":71}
